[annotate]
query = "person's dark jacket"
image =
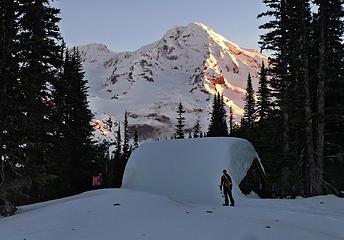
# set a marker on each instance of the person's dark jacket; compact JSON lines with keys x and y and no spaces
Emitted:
{"x":226,"y":181}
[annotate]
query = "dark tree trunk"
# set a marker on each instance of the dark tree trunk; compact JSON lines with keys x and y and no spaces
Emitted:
{"x":313,"y":182}
{"x":285,"y":115}
{"x":320,"y":105}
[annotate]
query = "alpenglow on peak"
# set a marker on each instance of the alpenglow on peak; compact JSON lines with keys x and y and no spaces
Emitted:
{"x":188,"y":64}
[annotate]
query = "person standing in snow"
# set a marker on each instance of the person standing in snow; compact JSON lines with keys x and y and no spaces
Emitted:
{"x":226,"y":183}
{"x":97,"y":181}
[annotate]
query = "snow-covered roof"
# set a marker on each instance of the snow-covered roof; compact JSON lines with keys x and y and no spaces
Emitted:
{"x":189,"y":170}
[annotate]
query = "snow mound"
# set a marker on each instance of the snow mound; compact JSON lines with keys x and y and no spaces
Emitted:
{"x":189,"y":170}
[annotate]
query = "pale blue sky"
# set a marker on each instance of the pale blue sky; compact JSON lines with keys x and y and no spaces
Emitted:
{"x":129,"y":24}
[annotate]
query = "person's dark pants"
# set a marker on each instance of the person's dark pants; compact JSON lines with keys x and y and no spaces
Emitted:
{"x":228,"y":192}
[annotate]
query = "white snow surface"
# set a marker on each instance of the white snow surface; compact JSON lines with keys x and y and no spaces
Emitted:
{"x":92,"y":215}
{"x":189,"y":170}
{"x":151,"y":81}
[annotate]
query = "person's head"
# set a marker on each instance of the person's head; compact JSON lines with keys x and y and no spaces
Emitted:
{"x":99,"y":174}
{"x":224,"y":171}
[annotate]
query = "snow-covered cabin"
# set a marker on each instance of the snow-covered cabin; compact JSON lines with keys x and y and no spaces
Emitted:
{"x":189,"y":170}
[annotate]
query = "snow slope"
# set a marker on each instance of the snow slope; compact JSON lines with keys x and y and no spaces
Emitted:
{"x":188,"y":64}
{"x":189,"y":170}
{"x":92,"y":215}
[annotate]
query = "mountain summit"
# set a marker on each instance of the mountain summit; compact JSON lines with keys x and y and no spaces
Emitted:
{"x":188,"y":64}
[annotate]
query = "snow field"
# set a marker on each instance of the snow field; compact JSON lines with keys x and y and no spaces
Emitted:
{"x":92,"y":215}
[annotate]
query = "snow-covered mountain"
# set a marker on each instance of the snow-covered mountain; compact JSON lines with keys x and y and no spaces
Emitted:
{"x":188,"y":64}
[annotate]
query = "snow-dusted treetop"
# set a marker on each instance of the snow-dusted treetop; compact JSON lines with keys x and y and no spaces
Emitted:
{"x":188,"y":64}
{"x":189,"y":170}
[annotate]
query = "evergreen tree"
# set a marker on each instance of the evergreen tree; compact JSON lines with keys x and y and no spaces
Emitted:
{"x":298,"y":85}
{"x":126,"y":147}
{"x":10,"y":97}
{"x":197,"y":129}
{"x":328,"y":31}
{"x":118,"y":150}
{"x":62,"y":131}
{"x":180,"y":122}
{"x":40,"y":56}
{"x":231,"y":121}
{"x":121,"y":159}
{"x":276,"y":40}
{"x":301,"y":92}
{"x":223,"y":116}
{"x":11,"y":101}
{"x":117,"y":161}
{"x":136,"y":140}
{"x":313,"y":179}
{"x":77,"y":131}
{"x":250,"y":104}
{"x":263,"y":95}
{"x":214,"y":117}
{"x":218,"y":120}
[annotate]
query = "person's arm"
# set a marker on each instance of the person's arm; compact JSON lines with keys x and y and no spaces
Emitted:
{"x":229,"y":179}
{"x":221,"y":183}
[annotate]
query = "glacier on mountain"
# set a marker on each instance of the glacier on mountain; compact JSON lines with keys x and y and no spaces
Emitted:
{"x":188,"y":64}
